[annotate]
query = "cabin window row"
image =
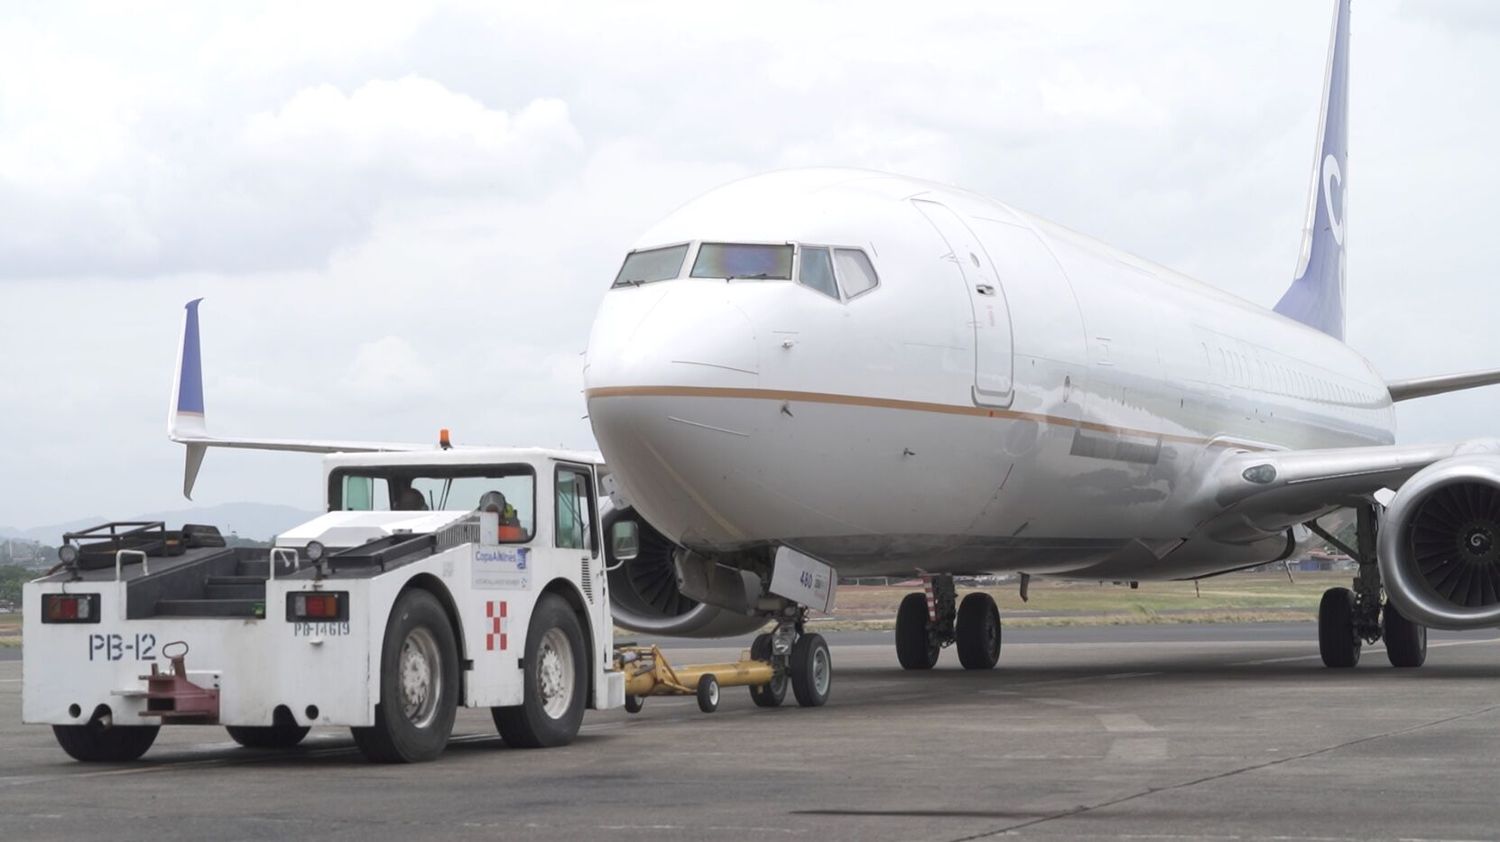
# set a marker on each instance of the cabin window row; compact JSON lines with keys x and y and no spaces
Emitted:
{"x":1249,"y":370}
{"x":839,"y":272}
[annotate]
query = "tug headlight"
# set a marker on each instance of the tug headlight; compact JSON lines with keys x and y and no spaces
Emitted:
{"x":67,"y":553}
{"x":315,"y":551}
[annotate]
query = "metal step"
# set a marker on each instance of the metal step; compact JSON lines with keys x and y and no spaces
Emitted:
{"x":211,"y":608}
{"x":253,"y":569}
{"x":234,"y":587}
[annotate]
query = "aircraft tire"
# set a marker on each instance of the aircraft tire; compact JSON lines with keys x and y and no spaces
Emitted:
{"x":556,"y":679}
{"x":915,"y":648}
{"x":812,"y":671}
{"x":1337,"y":642}
{"x":633,"y":704}
{"x":96,"y":743}
{"x":977,"y":632}
{"x":773,"y":694}
{"x":1405,"y":641}
{"x":418,"y":670}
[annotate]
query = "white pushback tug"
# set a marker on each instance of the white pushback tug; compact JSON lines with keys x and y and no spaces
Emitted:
{"x":480,"y":590}
{"x":437,"y":578}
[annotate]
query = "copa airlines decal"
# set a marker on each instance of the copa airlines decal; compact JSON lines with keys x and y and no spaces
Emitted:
{"x":1333,"y":175}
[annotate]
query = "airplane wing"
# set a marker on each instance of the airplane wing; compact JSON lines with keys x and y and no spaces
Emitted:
{"x":186,"y":424}
{"x":1259,"y":492}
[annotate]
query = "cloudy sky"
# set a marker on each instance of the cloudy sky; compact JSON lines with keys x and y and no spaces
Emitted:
{"x":403,"y":215}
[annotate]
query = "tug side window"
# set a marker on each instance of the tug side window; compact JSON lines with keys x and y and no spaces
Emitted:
{"x":575,"y":510}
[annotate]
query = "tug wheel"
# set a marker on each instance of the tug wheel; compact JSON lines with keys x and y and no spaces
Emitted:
{"x":418,"y":684}
{"x":556,"y":680}
{"x":773,"y":694}
{"x":100,"y":743}
{"x":267,"y":736}
{"x":708,"y":693}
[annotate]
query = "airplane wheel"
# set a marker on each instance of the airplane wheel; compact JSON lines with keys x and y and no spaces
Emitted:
{"x":978,"y":632}
{"x":812,"y":671}
{"x":556,"y":680}
{"x":767,"y":695}
{"x":1337,"y":642}
{"x":633,"y":704}
{"x":98,"y":743}
{"x":708,"y":693}
{"x":418,"y":684}
{"x":1405,"y":641}
{"x":915,"y":648}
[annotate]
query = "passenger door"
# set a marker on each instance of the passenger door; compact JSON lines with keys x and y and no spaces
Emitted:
{"x":993,"y":384}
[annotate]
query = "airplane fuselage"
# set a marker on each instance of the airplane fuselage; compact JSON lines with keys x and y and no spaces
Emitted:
{"x":1011,"y":396}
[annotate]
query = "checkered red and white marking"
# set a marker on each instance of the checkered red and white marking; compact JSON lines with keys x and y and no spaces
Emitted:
{"x":499,"y":619}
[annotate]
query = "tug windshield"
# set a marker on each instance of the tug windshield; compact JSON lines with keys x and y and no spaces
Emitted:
{"x":509,"y":489}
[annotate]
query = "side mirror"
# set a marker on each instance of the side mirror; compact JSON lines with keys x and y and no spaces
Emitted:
{"x":625,"y":540}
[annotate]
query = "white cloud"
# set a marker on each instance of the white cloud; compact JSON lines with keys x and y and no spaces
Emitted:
{"x":403,"y":215}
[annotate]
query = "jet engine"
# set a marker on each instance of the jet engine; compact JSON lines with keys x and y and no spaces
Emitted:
{"x":1439,"y":544}
{"x":644,"y":592}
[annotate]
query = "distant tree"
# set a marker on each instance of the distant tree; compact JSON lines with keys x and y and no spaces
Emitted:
{"x":12,"y":577}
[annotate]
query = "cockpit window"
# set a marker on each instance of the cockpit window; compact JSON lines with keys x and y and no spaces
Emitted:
{"x":736,"y":260}
{"x":660,"y":264}
{"x":816,"y":271}
{"x":855,"y":272}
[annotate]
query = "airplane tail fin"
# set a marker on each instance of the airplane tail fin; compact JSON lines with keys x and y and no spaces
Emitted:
{"x":1316,"y":297}
{"x":186,"y":424}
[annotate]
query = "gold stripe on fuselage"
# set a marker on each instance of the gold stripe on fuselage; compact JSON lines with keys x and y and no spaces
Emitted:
{"x":893,"y":403}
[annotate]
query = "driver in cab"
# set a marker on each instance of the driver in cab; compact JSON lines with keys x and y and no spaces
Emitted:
{"x":510,"y":522}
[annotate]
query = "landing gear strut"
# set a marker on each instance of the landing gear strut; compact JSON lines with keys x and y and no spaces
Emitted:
{"x":1348,"y":618}
{"x":927,"y":622}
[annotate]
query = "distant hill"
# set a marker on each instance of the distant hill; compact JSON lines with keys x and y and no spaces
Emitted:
{"x":256,"y":521}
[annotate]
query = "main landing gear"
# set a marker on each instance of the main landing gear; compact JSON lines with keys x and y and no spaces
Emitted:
{"x":926,"y":622}
{"x":1349,"y":618}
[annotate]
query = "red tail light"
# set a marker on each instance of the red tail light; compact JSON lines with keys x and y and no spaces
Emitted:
{"x":70,"y":608}
{"x":317,"y":606}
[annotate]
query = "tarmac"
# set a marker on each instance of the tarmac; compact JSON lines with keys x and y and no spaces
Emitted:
{"x":1125,"y":732}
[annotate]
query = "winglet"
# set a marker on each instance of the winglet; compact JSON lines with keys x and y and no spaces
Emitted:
{"x":1316,"y":297}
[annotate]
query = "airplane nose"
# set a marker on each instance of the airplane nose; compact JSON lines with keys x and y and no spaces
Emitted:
{"x":657,"y":350}
{"x":683,"y":333}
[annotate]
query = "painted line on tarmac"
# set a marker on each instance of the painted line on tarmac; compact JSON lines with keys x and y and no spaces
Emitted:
{"x":1138,"y":750}
{"x":1293,"y":658}
{"x":1124,"y":722}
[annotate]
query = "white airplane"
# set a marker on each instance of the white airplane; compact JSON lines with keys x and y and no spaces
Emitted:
{"x":898,"y":377}
{"x":894,"y":377}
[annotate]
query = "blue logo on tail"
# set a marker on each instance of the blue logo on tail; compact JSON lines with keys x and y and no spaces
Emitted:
{"x":1316,"y":297}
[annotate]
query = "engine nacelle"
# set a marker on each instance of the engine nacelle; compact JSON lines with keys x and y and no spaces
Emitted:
{"x":644,"y":594}
{"x":1439,"y":545}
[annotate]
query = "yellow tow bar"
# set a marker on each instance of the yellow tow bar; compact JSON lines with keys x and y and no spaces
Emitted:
{"x":648,"y":673}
